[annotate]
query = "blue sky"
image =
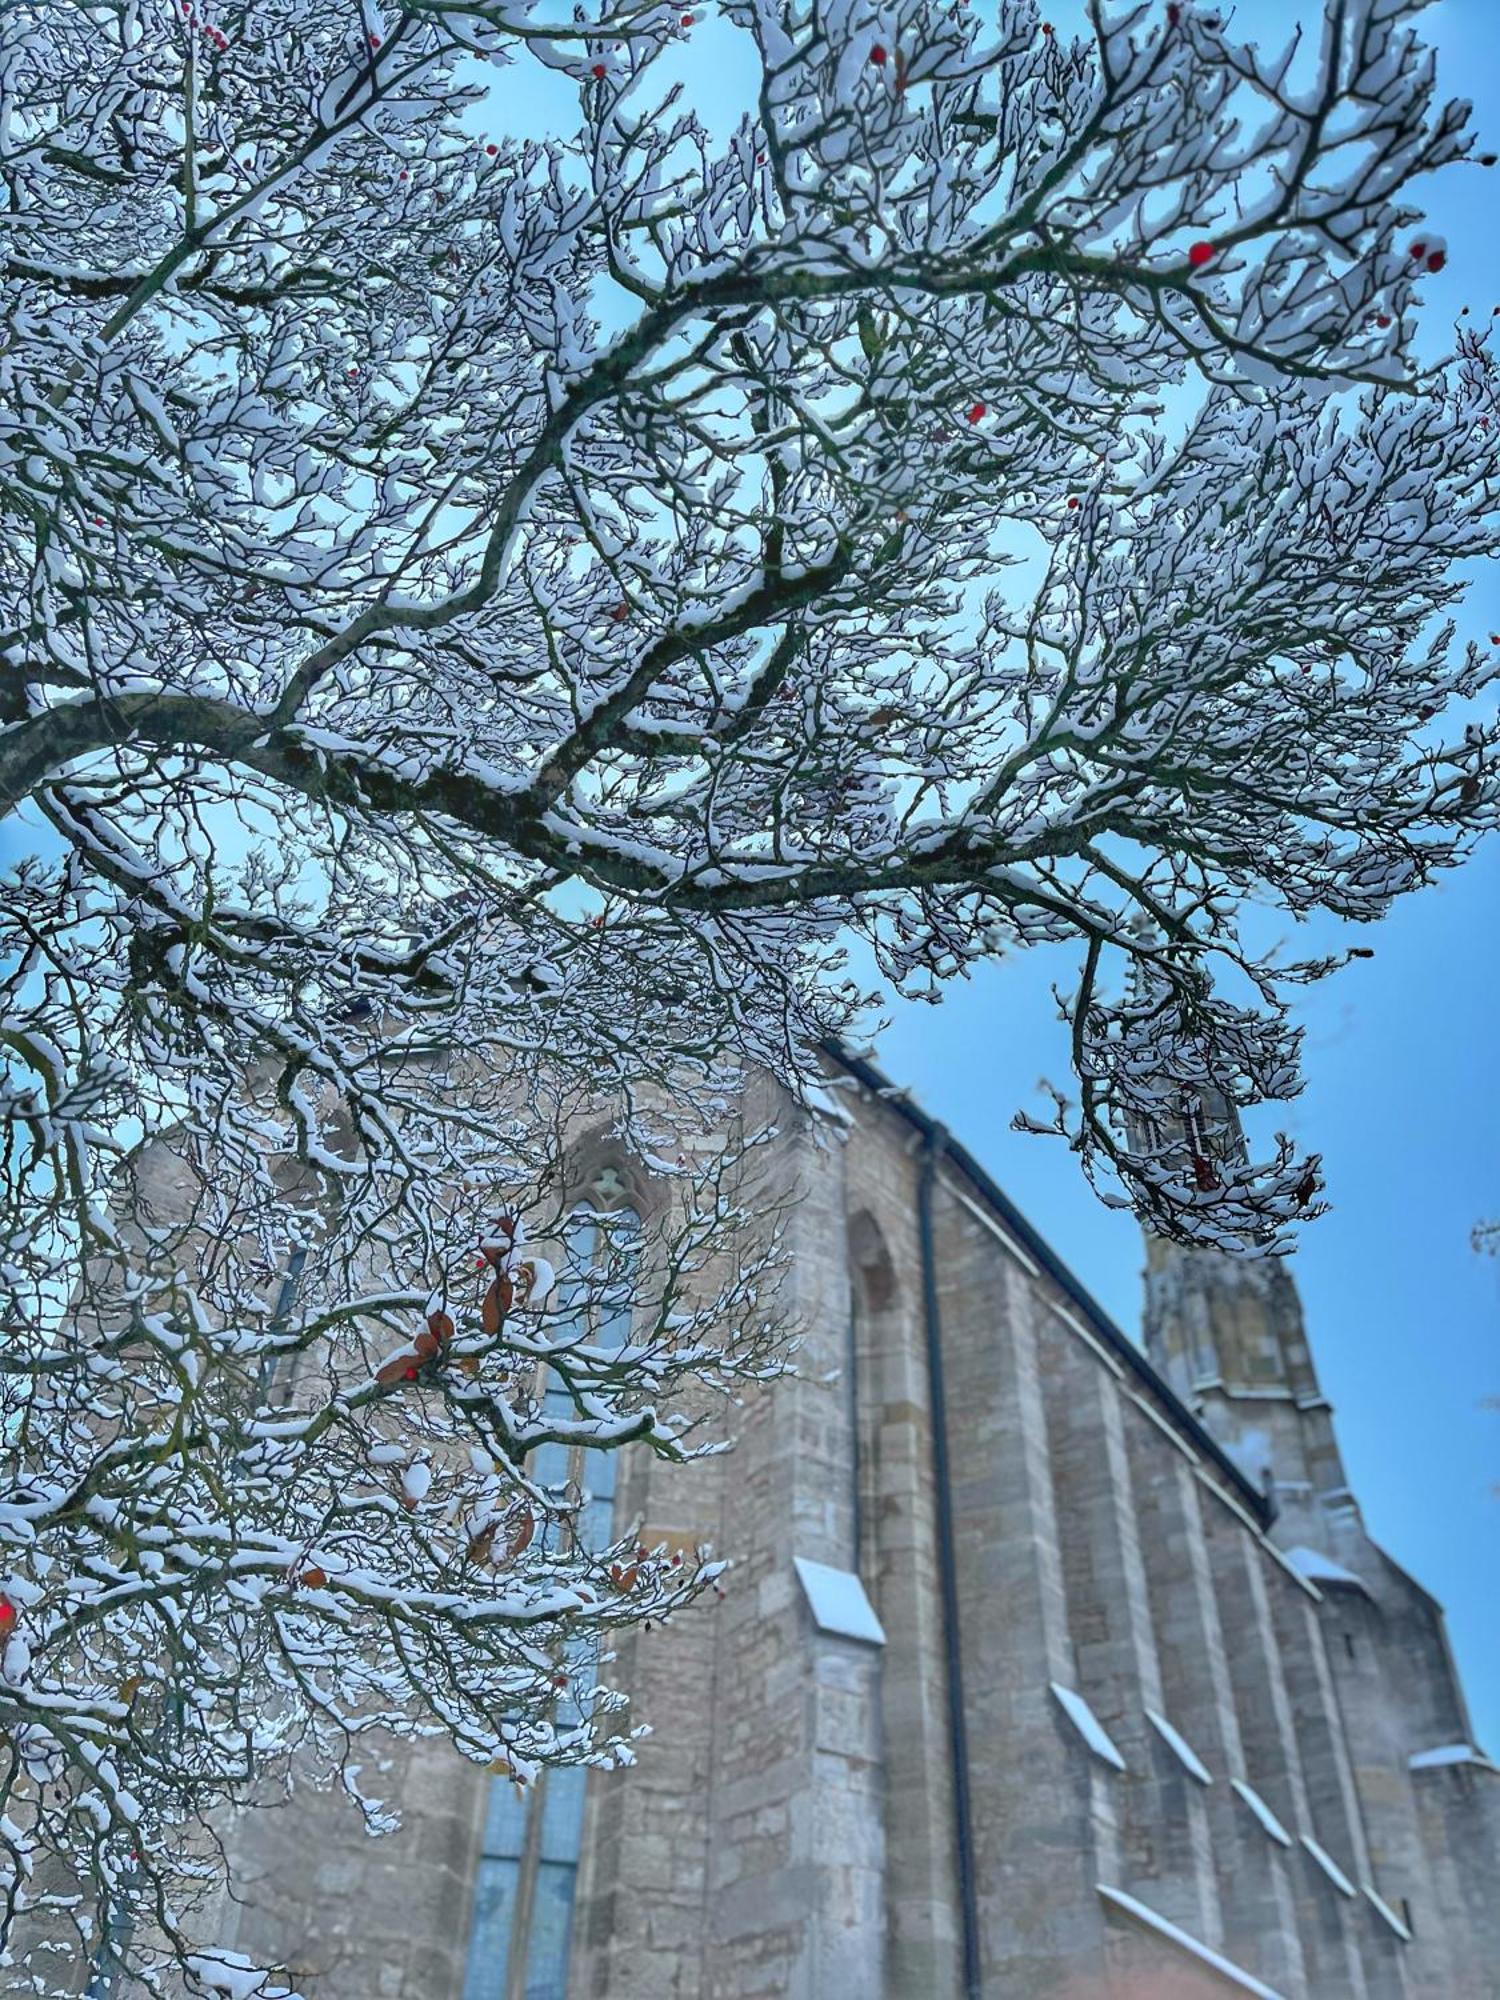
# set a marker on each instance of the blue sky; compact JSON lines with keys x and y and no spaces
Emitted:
{"x":1402,"y":1099}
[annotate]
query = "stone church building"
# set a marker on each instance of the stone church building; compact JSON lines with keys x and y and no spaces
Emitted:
{"x":1049,"y":1667}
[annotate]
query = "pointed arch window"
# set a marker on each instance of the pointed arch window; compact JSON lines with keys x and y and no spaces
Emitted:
{"x":528,"y":1867}
{"x":1196,"y":1128}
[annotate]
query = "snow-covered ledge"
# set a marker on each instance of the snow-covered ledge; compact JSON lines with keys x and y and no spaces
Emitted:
{"x":1186,"y":1755}
{"x":1162,"y":1927}
{"x":1328,"y":1865}
{"x":1447,"y":1754}
{"x":1088,"y":1725}
{"x":1384,"y":1911}
{"x":1270,"y":1824}
{"x":1324,"y":1571}
{"x":838,"y":1602}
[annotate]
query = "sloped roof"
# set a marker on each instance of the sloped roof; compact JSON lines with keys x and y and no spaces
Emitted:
{"x":1080,"y":1298}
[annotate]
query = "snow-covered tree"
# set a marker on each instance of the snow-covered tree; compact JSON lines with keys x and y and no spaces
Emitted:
{"x":485,"y":621}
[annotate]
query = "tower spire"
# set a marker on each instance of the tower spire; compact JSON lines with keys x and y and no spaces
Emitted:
{"x":1226,"y":1330}
{"x":1230,"y":1336}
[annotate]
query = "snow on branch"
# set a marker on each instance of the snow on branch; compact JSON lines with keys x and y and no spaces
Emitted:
{"x":485,"y":618}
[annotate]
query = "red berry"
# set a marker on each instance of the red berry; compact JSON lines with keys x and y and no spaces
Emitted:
{"x":1436,"y":261}
{"x":98,"y":520}
{"x":760,"y":159}
{"x":687,"y":20}
{"x":1073,"y":502}
{"x":1174,"y":13}
{"x":598,"y":70}
{"x":877,"y":56}
{"x":1046,"y":27}
{"x":352,"y":369}
{"x":1418,"y":251}
{"x":411,"y":1375}
{"x":8,"y":1616}
{"x":1199,"y":254}
{"x":492,"y":150}
{"x":374,"y":41}
{"x":1495,"y":638}
{"x":976,"y":411}
{"x":1382,"y":319}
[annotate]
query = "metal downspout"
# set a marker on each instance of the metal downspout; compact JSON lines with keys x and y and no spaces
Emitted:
{"x":932,"y":1143}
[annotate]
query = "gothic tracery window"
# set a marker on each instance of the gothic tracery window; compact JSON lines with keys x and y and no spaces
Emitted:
{"x":528,"y":1867}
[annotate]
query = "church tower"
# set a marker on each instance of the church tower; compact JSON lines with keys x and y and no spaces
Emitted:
{"x":1229,"y":1335}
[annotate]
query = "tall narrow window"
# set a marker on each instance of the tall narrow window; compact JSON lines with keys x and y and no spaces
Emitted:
{"x":523,"y":1893}
{"x":1193,"y":1125}
{"x":278,"y":1374}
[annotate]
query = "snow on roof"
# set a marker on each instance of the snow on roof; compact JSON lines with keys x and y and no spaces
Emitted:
{"x":1379,"y":1904}
{"x":838,"y":1602}
{"x":1318,"y":1568}
{"x":1328,"y":1865}
{"x":1262,"y":1811}
{"x":1226,"y":1969}
{"x":1450,"y":1753}
{"x":1187,"y":1756}
{"x":1088,"y":1725}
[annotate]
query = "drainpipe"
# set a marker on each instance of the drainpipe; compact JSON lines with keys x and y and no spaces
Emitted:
{"x":286,"y":1298}
{"x":933,"y":1138}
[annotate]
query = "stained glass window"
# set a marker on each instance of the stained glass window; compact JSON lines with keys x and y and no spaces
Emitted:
{"x":523,"y":1891}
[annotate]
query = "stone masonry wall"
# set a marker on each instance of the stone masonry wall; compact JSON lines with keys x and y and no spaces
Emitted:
{"x":790,"y":1830}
